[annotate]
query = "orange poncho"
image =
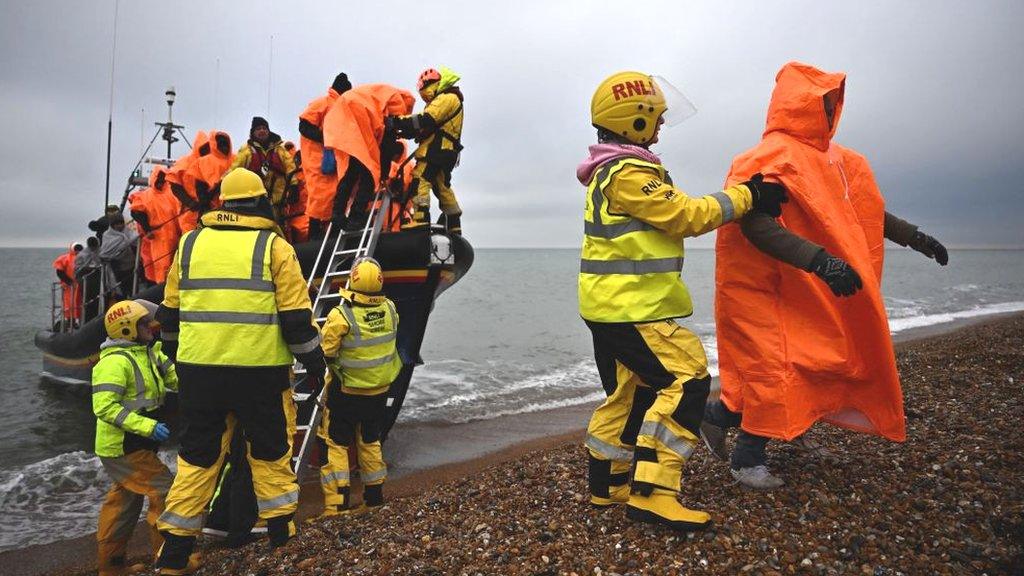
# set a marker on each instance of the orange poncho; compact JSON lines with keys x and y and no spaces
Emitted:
{"x":354,"y":126}
{"x":791,"y":353}
{"x":320,"y":187}
{"x":162,"y":210}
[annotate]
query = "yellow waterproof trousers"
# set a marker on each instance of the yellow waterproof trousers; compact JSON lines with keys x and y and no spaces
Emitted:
{"x":350,"y":418}
{"x":268,"y":421}
{"x":427,"y":179}
{"x":656,"y":378}
{"x":137,"y":475}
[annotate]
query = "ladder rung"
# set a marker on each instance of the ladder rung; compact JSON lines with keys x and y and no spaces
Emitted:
{"x":300,"y":396}
{"x":339,"y":252}
{"x":331,"y":296}
{"x":321,"y":320}
{"x":302,"y":427}
{"x":336,"y":274}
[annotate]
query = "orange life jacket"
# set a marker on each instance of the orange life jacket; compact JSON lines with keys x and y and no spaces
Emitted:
{"x":791,"y":353}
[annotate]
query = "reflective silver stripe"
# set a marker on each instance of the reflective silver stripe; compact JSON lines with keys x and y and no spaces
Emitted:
{"x":166,"y":365}
{"x":366,"y":363}
{"x":653,"y":266}
{"x":350,"y":317}
{"x":374,"y":476}
{"x":108,"y":387}
{"x":681,"y":446}
{"x":140,"y":403}
{"x":183,"y":522}
{"x":610,"y":231}
{"x":607,"y":450}
{"x":597,"y":198}
{"x":168,"y":336}
{"x":376,"y":340}
{"x":121,"y":416}
{"x":229,"y":317}
{"x":337,"y":475}
{"x":186,"y":252}
{"x":262,"y":238}
{"x":305,"y":346}
{"x":728,"y":211}
{"x":140,"y":382}
{"x":278,"y":502}
{"x":227,"y":284}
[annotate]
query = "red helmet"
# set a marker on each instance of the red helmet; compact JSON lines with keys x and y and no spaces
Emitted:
{"x":429,"y":75}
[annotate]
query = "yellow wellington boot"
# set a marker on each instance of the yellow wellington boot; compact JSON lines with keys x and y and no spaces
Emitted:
{"x":616,"y":495}
{"x":662,"y":507}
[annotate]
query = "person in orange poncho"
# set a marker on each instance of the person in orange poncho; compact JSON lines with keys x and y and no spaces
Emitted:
{"x":296,"y":221}
{"x":156,"y":210}
{"x":182,"y":183}
{"x":64,"y":265}
{"x":320,"y":186}
{"x":354,"y":136}
{"x":795,"y":349}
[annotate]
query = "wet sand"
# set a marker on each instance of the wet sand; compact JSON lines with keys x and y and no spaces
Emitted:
{"x":499,"y":496}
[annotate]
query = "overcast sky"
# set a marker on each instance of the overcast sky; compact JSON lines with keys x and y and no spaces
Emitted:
{"x":933,"y":95}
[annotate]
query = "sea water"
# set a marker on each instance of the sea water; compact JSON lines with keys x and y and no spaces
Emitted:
{"x":507,"y":339}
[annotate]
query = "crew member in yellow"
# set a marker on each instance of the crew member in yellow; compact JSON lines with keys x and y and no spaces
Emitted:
{"x":438,"y":130}
{"x":631,"y":295}
{"x":128,"y":387}
{"x":236,"y":305}
{"x":359,"y":342}
{"x":266,"y":155}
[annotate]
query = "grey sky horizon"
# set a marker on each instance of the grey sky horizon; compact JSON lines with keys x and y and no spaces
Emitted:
{"x":932,"y":96}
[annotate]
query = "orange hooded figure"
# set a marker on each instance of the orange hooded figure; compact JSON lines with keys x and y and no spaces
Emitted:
{"x":212,"y":167}
{"x":354,"y":127}
{"x":64,"y":265}
{"x":156,"y":211}
{"x":320,"y":187}
{"x":181,"y":178}
{"x":790,"y":352}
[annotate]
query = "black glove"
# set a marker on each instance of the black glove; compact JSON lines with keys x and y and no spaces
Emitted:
{"x":768,"y":196}
{"x":930,"y":247}
{"x":840,"y":276}
{"x":314,"y":362}
{"x":293,"y":193}
{"x":389,"y":126}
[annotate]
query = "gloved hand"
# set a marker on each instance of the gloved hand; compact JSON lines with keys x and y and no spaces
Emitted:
{"x":314,"y":362}
{"x":930,"y":247}
{"x":293,"y":193}
{"x":160,"y":432}
{"x":840,"y":276}
{"x":329,"y":164}
{"x":389,"y":125}
{"x":768,"y":196}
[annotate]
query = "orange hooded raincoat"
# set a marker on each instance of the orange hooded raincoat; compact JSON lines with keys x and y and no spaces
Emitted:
{"x":790,"y":353}
{"x":320,"y":187}
{"x":354,"y":126}
{"x":161,"y":210}
{"x":71,"y":293}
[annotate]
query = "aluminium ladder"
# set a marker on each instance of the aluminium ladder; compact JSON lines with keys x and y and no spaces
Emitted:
{"x":337,"y":258}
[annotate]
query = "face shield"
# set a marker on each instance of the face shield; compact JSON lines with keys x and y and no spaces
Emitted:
{"x":679,"y":107}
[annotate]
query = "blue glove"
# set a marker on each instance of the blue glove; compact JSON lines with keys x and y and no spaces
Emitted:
{"x":160,"y":432}
{"x":328,"y":165}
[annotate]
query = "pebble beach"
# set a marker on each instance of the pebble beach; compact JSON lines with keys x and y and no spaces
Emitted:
{"x":948,"y":501}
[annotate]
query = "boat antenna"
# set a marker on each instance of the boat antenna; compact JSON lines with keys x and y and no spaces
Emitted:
{"x":216,"y":95}
{"x":110,"y":114}
{"x":169,"y":127}
{"x":270,"y":73}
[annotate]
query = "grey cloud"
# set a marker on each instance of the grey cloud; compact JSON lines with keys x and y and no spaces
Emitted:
{"x":931,"y":99}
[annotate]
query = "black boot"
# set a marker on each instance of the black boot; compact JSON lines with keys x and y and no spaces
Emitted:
{"x":175,"y":553}
{"x":280,"y":529}
{"x":373,"y":496}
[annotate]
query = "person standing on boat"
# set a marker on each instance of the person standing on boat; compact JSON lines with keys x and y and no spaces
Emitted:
{"x":88,"y":268}
{"x":653,"y":370}
{"x":438,"y":130}
{"x":128,"y":387}
{"x":117,"y":251}
{"x":359,"y":342}
{"x":236,"y":306}
{"x":100,"y":225}
{"x":321,"y":180}
{"x":71,"y":296}
{"x":265,"y":155}
{"x":795,"y":349}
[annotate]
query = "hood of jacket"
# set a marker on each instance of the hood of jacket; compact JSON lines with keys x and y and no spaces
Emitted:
{"x":601,"y":154}
{"x":797,"y":107}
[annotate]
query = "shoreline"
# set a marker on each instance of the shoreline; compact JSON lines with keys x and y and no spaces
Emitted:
{"x":424,"y":455}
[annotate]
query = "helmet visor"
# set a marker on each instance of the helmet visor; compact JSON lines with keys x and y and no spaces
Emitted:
{"x":678,"y":106}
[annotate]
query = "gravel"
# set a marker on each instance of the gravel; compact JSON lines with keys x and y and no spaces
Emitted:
{"x":948,"y":501}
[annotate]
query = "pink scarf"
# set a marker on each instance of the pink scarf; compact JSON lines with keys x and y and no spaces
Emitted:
{"x":601,"y":154}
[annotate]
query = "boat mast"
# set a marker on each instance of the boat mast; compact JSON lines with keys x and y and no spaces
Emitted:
{"x":110,"y":115}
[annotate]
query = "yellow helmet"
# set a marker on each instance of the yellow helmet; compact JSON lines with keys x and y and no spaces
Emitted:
{"x":122,"y":319}
{"x":628,"y":104}
{"x":366,"y":276}
{"x":240,"y":184}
